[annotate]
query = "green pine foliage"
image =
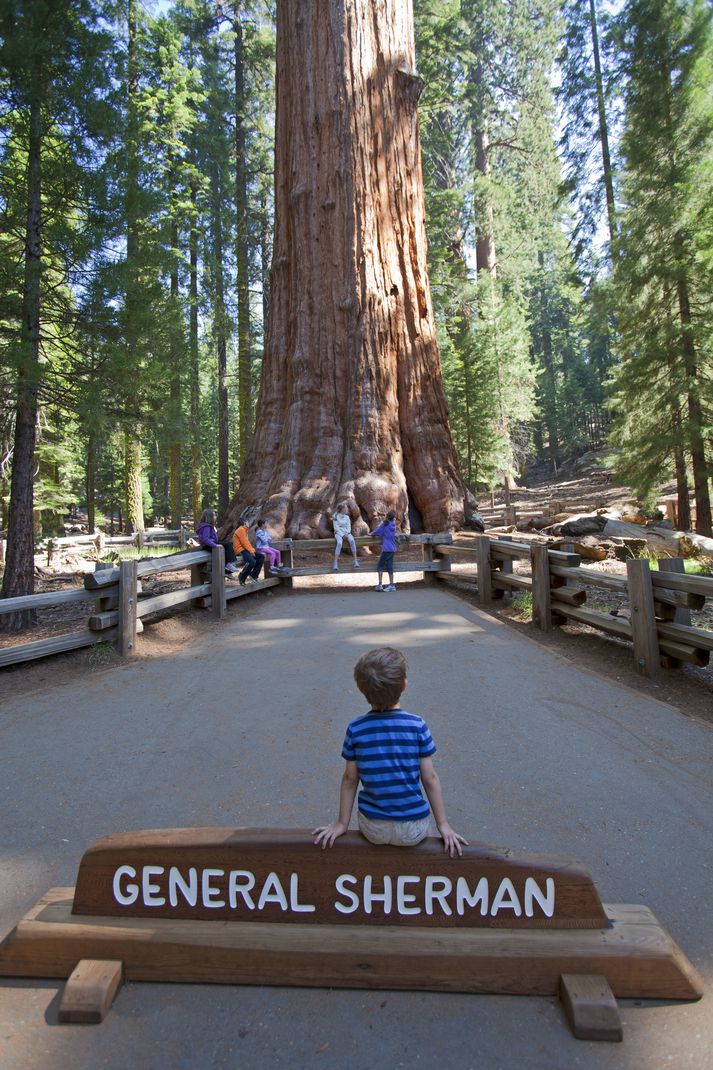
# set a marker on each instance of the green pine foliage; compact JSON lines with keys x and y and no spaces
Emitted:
{"x":662,"y":391}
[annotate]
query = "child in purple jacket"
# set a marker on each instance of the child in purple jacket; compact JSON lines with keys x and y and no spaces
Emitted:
{"x":387,"y":533}
{"x":208,"y":538}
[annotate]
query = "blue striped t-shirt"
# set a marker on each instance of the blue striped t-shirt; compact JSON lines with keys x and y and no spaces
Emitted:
{"x":387,"y":746}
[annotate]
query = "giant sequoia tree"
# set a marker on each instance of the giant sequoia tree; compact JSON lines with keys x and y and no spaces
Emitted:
{"x":351,"y":403}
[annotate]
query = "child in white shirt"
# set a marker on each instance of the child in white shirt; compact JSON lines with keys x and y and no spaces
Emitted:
{"x":343,"y":530}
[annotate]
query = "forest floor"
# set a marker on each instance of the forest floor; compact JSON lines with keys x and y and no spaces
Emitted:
{"x":584,"y":487}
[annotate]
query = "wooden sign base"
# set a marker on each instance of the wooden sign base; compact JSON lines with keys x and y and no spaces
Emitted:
{"x":635,"y":954}
{"x":589,"y":951}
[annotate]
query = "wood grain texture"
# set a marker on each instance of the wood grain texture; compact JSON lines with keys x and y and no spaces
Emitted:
{"x":285,"y":852}
{"x":90,"y":991}
{"x":590,"y":1006}
{"x":635,"y":955}
{"x":352,"y":406}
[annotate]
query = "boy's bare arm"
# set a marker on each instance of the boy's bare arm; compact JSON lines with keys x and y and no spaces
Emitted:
{"x":327,"y":834}
{"x":432,"y":786}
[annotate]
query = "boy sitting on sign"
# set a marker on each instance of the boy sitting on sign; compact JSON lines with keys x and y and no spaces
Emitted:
{"x":389,"y":750}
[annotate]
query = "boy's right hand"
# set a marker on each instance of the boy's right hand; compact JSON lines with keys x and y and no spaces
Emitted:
{"x":327,"y":834}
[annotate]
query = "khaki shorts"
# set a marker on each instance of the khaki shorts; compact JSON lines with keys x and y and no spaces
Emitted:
{"x":396,"y":833}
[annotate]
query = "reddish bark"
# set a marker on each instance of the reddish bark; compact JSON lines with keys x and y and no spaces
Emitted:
{"x":351,"y":405}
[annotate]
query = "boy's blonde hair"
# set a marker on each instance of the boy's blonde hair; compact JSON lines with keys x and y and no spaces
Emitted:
{"x":380,"y":675}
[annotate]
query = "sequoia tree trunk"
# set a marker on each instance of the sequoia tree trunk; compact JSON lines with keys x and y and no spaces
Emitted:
{"x":351,"y":405}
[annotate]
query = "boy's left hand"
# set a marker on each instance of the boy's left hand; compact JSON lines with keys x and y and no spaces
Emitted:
{"x":451,"y":840}
{"x":327,"y":834}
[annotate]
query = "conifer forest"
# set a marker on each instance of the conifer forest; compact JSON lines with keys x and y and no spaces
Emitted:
{"x":277,"y":254}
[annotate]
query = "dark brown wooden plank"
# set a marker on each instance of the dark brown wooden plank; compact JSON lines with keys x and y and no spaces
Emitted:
{"x":90,"y":991}
{"x":591,"y":1007}
{"x":515,"y":890}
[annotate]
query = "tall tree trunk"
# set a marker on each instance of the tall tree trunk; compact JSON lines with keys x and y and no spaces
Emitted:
{"x":549,"y":406}
{"x":220,"y":320}
{"x":19,"y":578}
{"x":607,"y":175}
{"x":351,"y":405}
{"x":132,"y":480}
{"x":683,"y":494}
{"x":485,"y":226}
{"x":241,"y":242}
{"x":91,"y":481}
{"x":175,"y":489}
{"x":704,"y":525}
{"x":132,"y":432}
{"x":196,"y":475}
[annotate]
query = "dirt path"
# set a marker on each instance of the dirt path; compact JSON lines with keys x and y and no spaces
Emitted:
{"x":244,"y":726}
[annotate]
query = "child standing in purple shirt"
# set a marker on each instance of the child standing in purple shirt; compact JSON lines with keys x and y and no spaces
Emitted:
{"x":387,"y":533}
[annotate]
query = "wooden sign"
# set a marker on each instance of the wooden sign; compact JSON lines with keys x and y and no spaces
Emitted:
{"x":358,"y":916}
{"x":280,"y":876}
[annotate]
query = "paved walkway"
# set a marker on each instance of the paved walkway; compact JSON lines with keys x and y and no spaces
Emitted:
{"x":245,"y":727}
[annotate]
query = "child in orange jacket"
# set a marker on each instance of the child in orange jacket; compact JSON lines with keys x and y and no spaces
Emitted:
{"x":253,"y":558}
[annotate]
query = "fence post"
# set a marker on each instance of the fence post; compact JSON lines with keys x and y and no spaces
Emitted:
{"x":128,"y":588}
{"x":541,"y":598}
{"x":287,"y":562}
{"x":485,"y":582}
{"x":217,"y":582}
{"x":182,"y":537}
{"x":647,"y":658}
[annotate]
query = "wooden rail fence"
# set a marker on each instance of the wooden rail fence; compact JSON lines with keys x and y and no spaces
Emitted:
{"x":120,"y":606}
{"x":660,"y":602}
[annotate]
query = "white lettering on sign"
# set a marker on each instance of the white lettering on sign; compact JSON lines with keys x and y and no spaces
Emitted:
{"x":299,"y":908}
{"x":371,"y":897}
{"x":210,"y":894}
{"x":545,"y":900}
{"x":127,"y":896}
{"x":149,"y":890}
{"x":404,"y":895}
{"x":465,"y":898}
{"x":188,"y":888}
{"x":351,"y":896}
{"x":437,"y":891}
{"x":241,"y":883}
{"x":404,"y":898}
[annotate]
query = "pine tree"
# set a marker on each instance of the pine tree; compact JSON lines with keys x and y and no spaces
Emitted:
{"x":662,"y":389}
{"x":54,"y":59}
